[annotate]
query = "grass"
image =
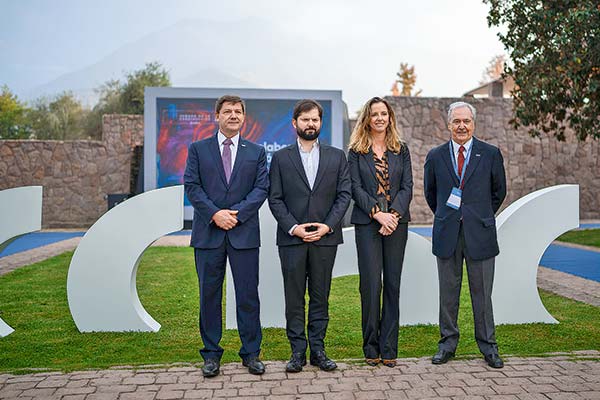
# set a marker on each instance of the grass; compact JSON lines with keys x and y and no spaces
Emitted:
{"x":33,"y":300}
{"x":587,"y":237}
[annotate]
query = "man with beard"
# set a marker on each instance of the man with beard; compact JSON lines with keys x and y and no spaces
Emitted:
{"x":309,"y":194}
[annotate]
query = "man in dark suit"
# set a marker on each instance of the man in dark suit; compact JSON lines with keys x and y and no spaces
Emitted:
{"x":226,"y":180}
{"x":309,"y":194}
{"x":464,"y":187}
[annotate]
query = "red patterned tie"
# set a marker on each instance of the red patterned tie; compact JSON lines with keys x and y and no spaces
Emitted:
{"x":461,"y":160}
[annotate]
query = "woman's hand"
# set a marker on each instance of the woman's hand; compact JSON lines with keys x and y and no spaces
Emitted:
{"x":387,"y":220}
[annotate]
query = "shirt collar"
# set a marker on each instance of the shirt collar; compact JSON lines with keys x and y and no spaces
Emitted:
{"x":221,"y":138}
{"x":314,"y":146}
{"x":456,"y":146}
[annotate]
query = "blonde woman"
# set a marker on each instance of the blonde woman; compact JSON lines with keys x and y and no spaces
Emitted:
{"x":382,"y":183}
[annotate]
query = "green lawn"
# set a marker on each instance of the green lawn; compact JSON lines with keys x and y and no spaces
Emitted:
{"x":33,"y":301}
{"x":587,"y":237}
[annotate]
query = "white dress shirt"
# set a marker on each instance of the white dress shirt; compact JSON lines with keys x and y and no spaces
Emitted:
{"x":456,"y":146}
{"x":310,"y":162}
{"x":235,"y":139}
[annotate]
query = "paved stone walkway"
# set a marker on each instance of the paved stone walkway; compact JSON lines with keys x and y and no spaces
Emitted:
{"x":558,"y":376}
{"x":563,"y":376}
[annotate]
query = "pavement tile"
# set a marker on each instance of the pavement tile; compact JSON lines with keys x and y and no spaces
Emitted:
{"x":169,"y":394}
{"x":508,"y":389}
{"x":138,"y":396}
{"x":370,"y":395}
{"x":339,"y":396}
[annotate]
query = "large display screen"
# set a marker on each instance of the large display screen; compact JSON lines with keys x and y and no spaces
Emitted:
{"x":176,"y":117}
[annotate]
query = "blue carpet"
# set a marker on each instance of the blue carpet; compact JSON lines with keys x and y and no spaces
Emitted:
{"x":37,"y":239}
{"x":583,"y":263}
{"x":589,"y":226}
{"x":421,"y":230}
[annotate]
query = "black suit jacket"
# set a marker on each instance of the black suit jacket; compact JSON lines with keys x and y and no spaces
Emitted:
{"x":293,"y":202}
{"x":483,"y":193}
{"x":364,"y":184}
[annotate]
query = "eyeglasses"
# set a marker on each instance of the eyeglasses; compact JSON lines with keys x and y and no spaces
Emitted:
{"x":458,"y":122}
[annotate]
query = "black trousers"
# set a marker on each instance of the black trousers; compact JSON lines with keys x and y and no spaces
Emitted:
{"x":481,"y":281}
{"x":380,"y":255}
{"x":302,"y":265}
{"x":210,"y":266}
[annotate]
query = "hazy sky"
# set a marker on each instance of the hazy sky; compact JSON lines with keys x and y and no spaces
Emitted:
{"x":448,"y":41}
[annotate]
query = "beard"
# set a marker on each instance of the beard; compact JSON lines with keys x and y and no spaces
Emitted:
{"x":308,"y":136}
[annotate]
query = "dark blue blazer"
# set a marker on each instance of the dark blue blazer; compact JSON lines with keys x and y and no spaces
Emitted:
{"x":483,"y":193}
{"x":365,"y":184}
{"x":208,"y":191}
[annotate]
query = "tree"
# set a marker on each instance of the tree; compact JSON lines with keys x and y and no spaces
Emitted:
{"x":407,"y":77}
{"x":12,"y":116}
{"x":494,"y":70}
{"x":60,"y":117}
{"x":128,"y":97}
{"x":555,"y":51}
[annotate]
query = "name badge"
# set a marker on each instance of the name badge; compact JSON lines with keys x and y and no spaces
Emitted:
{"x":454,"y":198}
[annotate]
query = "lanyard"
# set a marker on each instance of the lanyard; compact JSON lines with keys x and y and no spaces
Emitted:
{"x":455,"y":163}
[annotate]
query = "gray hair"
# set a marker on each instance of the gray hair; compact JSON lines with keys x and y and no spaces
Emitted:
{"x":460,"y":104}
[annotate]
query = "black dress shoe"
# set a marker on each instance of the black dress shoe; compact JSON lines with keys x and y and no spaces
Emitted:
{"x":442,"y":357}
{"x":322,"y":361}
{"x":255,"y":366}
{"x":297,"y":361}
{"x":210,"y":368}
{"x":494,"y":360}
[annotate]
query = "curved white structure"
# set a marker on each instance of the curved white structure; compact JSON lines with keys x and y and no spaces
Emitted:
{"x":20,"y":213}
{"x":525,"y":229}
{"x":418,"y":291}
{"x":101,"y":284}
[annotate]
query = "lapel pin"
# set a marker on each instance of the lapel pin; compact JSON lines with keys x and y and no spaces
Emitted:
{"x":478,"y":155}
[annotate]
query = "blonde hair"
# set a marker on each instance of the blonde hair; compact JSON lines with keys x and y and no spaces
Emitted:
{"x":361,"y":140}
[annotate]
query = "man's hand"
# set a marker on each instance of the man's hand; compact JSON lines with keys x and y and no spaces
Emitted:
{"x":225,"y":219}
{"x":387,"y":220}
{"x":313,"y":236}
{"x":300,"y":230}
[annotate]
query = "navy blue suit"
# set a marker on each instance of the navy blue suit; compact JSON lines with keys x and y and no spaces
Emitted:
{"x":483,"y":193}
{"x":467,"y":234}
{"x":208,"y":191}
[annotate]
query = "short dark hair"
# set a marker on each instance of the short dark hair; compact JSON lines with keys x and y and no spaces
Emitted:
{"x":229,"y":99}
{"x":306,"y":105}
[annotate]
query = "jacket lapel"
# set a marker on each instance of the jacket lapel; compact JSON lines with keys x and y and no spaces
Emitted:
{"x":294,"y":154}
{"x":474,"y":159}
{"x":215,"y":151}
{"x":448,"y":162}
{"x":323,"y":165}
{"x":370,"y":162}
{"x":240,"y":157}
{"x":393,"y":165}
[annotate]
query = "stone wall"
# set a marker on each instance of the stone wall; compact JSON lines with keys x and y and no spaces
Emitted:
{"x":76,"y":175}
{"x":531,"y":163}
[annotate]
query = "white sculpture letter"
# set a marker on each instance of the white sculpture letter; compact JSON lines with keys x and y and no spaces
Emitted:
{"x":20,"y":213}
{"x":101,"y":284}
{"x":525,"y":229}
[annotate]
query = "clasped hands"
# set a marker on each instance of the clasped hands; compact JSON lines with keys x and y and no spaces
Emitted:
{"x":313,"y":236}
{"x":225,"y":219}
{"x":388,"y":221}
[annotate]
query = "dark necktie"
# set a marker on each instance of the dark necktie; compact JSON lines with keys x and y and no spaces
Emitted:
{"x":461,"y":160}
{"x":227,"y":158}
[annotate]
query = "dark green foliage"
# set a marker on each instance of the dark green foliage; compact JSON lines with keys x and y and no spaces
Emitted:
{"x":554,"y":47}
{"x":13,"y":115}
